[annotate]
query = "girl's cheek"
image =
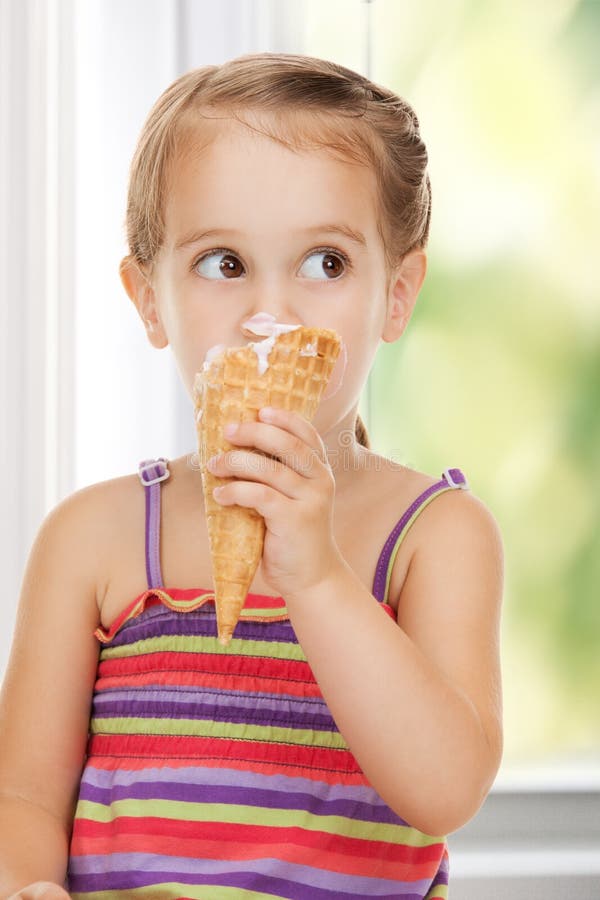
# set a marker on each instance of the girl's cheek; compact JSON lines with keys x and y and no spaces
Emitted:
{"x":337,"y":376}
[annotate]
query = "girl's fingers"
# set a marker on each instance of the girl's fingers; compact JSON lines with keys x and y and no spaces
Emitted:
{"x":287,"y":437}
{"x":245,"y":464}
{"x":295,"y":424}
{"x":41,"y":890}
{"x":264,"y":499}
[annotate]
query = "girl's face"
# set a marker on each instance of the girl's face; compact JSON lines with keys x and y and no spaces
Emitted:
{"x":252,"y":226}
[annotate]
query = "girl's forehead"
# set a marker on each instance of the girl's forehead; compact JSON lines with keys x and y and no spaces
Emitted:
{"x":300,"y":132}
{"x":264,"y":189}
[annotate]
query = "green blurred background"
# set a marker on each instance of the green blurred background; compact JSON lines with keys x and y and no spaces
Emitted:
{"x":498,"y":372}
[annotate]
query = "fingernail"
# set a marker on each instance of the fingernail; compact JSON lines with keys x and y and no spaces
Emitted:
{"x":230,"y":429}
{"x":267,"y":413}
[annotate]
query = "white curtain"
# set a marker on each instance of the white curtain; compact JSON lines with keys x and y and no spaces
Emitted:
{"x":37,"y":306}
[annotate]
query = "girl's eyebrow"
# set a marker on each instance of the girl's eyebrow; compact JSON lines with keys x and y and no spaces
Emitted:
{"x":339,"y":228}
{"x":195,"y":237}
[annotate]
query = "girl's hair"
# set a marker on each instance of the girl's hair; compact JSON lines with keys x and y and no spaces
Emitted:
{"x":304,"y":103}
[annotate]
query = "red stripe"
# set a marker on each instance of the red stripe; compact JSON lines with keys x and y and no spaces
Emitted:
{"x":250,"y":683}
{"x":168,"y":747}
{"x":223,"y":840}
{"x":223,"y":664}
{"x":115,"y":763}
{"x":253,"y":601}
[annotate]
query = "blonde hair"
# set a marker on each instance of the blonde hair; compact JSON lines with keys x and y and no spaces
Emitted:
{"x":307,"y":103}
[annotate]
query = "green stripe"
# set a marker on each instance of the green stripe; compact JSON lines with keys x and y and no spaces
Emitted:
{"x":187,"y":605}
{"x":199,"y":644}
{"x":174,"y":889}
{"x":193,"y":603}
{"x":266,"y":613}
{"x":400,"y":537}
{"x":440,"y":892}
{"x":271,"y":734}
{"x":230,"y":814}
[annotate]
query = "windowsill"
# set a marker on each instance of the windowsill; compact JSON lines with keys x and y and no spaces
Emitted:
{"x":547,"y":776}
{"x":536,"y":835}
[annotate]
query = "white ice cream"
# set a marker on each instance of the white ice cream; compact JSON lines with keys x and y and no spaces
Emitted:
{"x":261,"y":324}
{"x":211,"y":353}
{"x":267,"y":325}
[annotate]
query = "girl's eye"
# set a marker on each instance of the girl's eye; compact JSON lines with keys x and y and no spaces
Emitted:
{"x":332,"y":264}
{"x":324,"y":262}
{"x":219,"y":264}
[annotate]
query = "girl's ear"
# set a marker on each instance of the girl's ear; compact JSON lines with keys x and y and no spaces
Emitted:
{"x":141,"y":294}
{"x":403,"y":290}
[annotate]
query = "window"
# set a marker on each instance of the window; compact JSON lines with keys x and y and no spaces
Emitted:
{"x":497,"y":372}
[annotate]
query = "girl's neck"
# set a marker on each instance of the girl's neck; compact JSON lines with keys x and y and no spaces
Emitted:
{"x":346,"y":456}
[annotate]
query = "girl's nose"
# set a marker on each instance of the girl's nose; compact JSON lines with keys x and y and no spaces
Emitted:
{"x":269,"y":298}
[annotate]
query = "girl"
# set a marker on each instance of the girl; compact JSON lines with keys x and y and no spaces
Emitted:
{"x":355,"y":719}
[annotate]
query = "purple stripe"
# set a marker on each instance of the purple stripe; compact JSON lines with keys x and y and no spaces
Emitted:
{"x":152,"y":496}
{"x":196,"y":623}
{"x":384,"y":558}
{"x":250,"y":711}
{"x":216,"y":698}
{"x":277,"y":718}
{"x":238,"y":796}
{"x":153,"y":545}
{"x":253,"y":881}
{"x":221,"y":777}
{"x":149,"y":580}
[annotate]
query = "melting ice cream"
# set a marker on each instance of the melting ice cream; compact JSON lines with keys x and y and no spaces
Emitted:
{"x":261,"y":324}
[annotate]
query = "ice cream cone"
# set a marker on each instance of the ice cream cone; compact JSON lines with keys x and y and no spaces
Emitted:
{"x":232,"y":388}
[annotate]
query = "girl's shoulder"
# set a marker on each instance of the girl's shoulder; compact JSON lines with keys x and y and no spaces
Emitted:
{"x":119,"y":505}
{"x":442,"y":526}
{"x":398,"y":486}
{"x":94,"y":520}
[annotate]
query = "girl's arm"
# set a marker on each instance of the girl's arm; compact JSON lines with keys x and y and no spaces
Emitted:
{"x":418,"y":702}
{"x":46,"y":693}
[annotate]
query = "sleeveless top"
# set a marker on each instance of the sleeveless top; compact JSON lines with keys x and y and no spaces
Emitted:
{"x":218,"y":772}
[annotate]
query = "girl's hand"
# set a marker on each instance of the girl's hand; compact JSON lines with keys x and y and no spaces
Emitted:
{"x":294,"y":493}
{"x":41,"y":890}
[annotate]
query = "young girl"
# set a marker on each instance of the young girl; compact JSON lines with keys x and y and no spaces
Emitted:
{"x":355,"y":718}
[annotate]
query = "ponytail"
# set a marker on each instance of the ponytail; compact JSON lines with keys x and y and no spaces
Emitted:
{"x":360,"y":433}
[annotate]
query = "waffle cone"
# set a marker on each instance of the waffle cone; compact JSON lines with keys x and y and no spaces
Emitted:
{"x":233,"y":390}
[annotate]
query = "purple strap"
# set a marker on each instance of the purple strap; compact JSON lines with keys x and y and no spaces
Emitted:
{"x":452,"y":479}
{"x":151,"y":473}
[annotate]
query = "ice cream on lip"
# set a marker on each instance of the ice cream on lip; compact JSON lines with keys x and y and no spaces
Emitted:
{"x":261,"y":324}
{"x":267,"y":326}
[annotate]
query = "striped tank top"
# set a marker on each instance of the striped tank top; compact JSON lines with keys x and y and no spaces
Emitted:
{"x":218,"y":772}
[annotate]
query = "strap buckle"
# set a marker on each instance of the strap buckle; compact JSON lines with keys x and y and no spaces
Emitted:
{"x":461,"y":481}
{"x":150,"y":464}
